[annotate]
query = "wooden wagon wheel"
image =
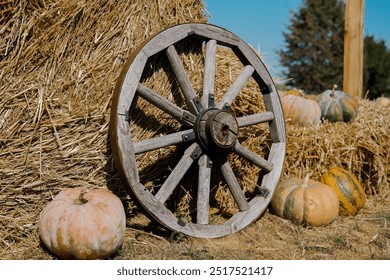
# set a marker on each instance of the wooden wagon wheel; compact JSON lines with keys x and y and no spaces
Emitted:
{"x":208,"y":131}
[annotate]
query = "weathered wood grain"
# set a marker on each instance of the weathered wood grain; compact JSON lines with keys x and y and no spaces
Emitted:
{"x":148,"y":145}
{"x":234,"y":186}
{"x":277,"y":125}
{"x":255,"y":119}
{"x":176,"y":175}
{"x":128,"y":83}
{"x":162,"y":103}
{"x":222,"y":36}
{"x":235,"y":88}
{"x":223,"y":128}
{"x":253,"y":157}
{"x":162,"y":40}
{"x":209,"y":72}
{"x":354,"y":48}
{"x":182,"y":78}
{"x":203,"y":197}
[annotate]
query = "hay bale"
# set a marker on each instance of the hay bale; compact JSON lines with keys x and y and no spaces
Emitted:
{"x":360,"y":146}
{"x":59,"y":61}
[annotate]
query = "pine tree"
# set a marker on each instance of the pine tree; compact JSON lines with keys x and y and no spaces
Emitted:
{"x":376,"y":67}
{"x":313,"y":54}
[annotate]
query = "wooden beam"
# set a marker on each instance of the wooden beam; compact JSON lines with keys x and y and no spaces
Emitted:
{"x":353,"y":47}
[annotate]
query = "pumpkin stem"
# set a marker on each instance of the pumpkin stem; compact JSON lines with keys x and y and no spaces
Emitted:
{"x":306,"y":180}
{"x":333,"y":95}
{"x":81,"y":200}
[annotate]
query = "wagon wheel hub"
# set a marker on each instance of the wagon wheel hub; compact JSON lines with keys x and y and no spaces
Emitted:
{"x":216,"y":128}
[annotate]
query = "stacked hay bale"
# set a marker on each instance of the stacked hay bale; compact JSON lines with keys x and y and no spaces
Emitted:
{"x":59,"y":61}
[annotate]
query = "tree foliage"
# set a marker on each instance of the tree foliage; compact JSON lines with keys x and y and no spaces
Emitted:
{"x":313,"y":54}
{"x":314,"y":49}
{"x":376,"y":67}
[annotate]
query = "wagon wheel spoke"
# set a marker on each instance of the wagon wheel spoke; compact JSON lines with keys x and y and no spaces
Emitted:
{"x":255,"y":119}
{"x":253,"y":157}
{"x":234,"y":186}
{"x":203,"y":197}
{"x":192,"y":100}
{"x":163,"y":141}
{"x":204,"y":175}
{"x":235,"y":88}
{"x":164,"y":104}
{"x":209,"y":74}
{"x":177,"y":173}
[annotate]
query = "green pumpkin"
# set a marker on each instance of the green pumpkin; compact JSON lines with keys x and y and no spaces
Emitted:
{"x":337,"y":106}
{"x":305,"y":202}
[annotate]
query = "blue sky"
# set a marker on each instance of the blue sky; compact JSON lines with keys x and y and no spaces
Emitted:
{"x":260,"y":23}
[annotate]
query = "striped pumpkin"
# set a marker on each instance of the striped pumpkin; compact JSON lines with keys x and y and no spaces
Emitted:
{"x":305,"y":202}
{"x":348,"y":189}
{"x":337,"y":105}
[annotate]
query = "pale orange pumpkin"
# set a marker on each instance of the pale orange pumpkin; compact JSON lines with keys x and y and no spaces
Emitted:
{"x":383,"y":101}
{"x":305,"y":202}
{"x":83,"y":225}
{"x":300,"y":110}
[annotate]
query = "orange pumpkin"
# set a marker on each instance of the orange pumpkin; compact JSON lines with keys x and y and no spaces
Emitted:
{"x":383,"y":101}
{"x":337,"y":105}
{"x":348,"y":189}
{"x":300,"y":110}
{"x":83,"y":225}
{"x":305,"y":202}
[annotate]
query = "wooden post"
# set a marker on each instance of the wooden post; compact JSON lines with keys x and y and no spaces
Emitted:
{"x":353,"y":47}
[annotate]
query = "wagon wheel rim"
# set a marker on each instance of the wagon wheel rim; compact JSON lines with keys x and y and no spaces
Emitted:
{"x":207,"y":127}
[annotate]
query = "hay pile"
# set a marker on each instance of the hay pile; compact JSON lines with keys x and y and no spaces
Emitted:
{"x":59,"y":61}
{"x":361,"y":146}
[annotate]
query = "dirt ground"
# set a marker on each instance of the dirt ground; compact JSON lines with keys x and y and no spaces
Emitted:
{"x":365,"y":236}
